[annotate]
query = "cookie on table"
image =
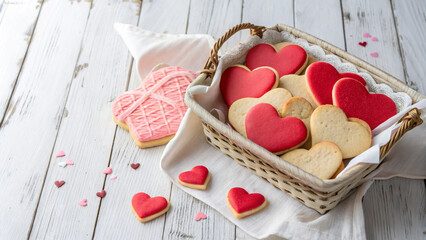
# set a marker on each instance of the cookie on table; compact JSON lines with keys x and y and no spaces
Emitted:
{"x":148,"y":208}
{"x":239,"y":109}
{"x":330,"y":124}
{"x":311,"y":59}
{"x":240,"y":82}
{"x":291,"y":59}
{"x":197,"y":178}
{"x":243,"y":204}
{"x":322,"y":160}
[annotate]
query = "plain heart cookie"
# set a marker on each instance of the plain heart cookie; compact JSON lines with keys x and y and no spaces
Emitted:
{"x":152,"y":113}
{"x":197,"y":178}
{"x":296,"y":85}
{"x":354,"y":99}
{"x":266,"y":128}
{"x":238,"y":111}
{"x":147,"y":208}
{"x":322,"y":160}
{"x":243,"y":204}
{"x":291,"y":59}
{"x":320,"y":80}
{"x":330,"y":124}
{"x":240,"y":82}
{"x":311,"y":59}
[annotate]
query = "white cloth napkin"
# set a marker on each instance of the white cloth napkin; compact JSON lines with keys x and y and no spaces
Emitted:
{"x":284,"y":217}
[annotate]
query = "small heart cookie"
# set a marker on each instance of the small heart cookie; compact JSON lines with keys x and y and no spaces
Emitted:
{"x":320,"y":79}
{"x":266,"y":128}
{"x":240,"y":82}
{"x":330,"y":124}
{"x":311,"y":59}
{"x":146,"y":208}
{"x":243,"y":204}
{"x":296,"y":85}
{"x":197,"y":178}
{"x":354,"y":99}
{"x":291,"y":59}
{"x":238,"y":111}
{"x":322,"y":160}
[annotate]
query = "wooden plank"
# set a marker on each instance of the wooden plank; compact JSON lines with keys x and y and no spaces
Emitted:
{"x":101,"y":73}
{"x":214,"y":18}
{"x":35,"y":111}
{"x":116,"y":219}
{"x":411,"y":24}
{"x":375,"y":18}
{"x":322,"y":19}
{"x":396,"y":209}
{"x":17,"y":22}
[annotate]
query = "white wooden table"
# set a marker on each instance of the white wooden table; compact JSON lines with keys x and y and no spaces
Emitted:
{"x":62,"y":64}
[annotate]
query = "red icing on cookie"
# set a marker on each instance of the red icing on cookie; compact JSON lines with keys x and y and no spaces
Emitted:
{"x":289,"y":60}
{"x":197,"y":175}
{"x":239,"y":82}
{"x":145,"y":206}
{"x":265,"y":127}
{"x":241,"y":201}
{"x":321,"y":77}
{"x":354,"y":99}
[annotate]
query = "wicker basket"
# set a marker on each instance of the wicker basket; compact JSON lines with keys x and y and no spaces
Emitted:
{"x":321,"y":195}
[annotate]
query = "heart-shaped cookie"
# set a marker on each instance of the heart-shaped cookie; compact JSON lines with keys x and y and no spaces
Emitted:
{"x":322,"y":160}
{"x":239,"y":109}
{"x":354,"y":99}
{"x":146,"y":208}
{"x":243,"y":204}
{"x":197,"y":178}
{"x":152,"y":113}
{"x":311,"y":59}
{"x":330,"y":124}
{"x":291,"y":59}
{"x":240,"y":82}
{"x":320,"y":79}
{"x":266,"y":128}
{"x":296,"y":85}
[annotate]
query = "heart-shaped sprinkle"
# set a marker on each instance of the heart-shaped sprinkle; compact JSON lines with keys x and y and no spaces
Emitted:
{"x":83,"y":202}
{"x":108,"y":170}
{"x":62,"y":164}
{"x":200,"y":216}
{"x":243,"y":204}
{"x":197,"y":178}
{"x":374,"y":54}
{"x":60,"y":154}
{"x":113,"y":177}
{"x":366,"y":35}
{"x":147,"y":208}
{"x":363,"y":44}
{"x":69,"y":162}
{"x":374,"y":39}
{"x":59,"y":183}
{"x":135,"y":165}
{"x":101,"y":194}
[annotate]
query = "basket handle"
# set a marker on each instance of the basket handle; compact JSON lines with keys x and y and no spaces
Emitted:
{"x":410,"y":120}
{"x":212,"y":62}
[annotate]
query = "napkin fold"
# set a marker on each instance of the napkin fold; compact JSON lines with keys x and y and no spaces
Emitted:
{"x":284,"y":217}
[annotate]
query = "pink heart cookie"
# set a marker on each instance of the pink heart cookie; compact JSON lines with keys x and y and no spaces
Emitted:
{"x":152,"y":113}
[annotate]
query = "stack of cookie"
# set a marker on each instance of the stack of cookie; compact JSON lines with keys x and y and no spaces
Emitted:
{"x":301,"y":109}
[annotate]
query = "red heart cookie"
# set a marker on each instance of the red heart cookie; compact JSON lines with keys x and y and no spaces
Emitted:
{"x":147,"y":208}
{"x":354,"y":99}
{"x":240,"y":82}
{"x":197,"y":178}
{"x":243,"y":204}
{"x":290,"y":59}
{"x":321,"y":77}
{"x":265,"y":128}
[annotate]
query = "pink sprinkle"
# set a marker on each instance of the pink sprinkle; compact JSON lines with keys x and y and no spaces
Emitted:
{"x":374,"y":39}
{"x":69,"y":162}
{"x":60,"y":154}
{"x":366,"y":35}
{"x":374,"y":54}
{"x":200,"y":216}
{"x":83,"y":202}
{"x":113,"y":177}
{"x":108,"y":170}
